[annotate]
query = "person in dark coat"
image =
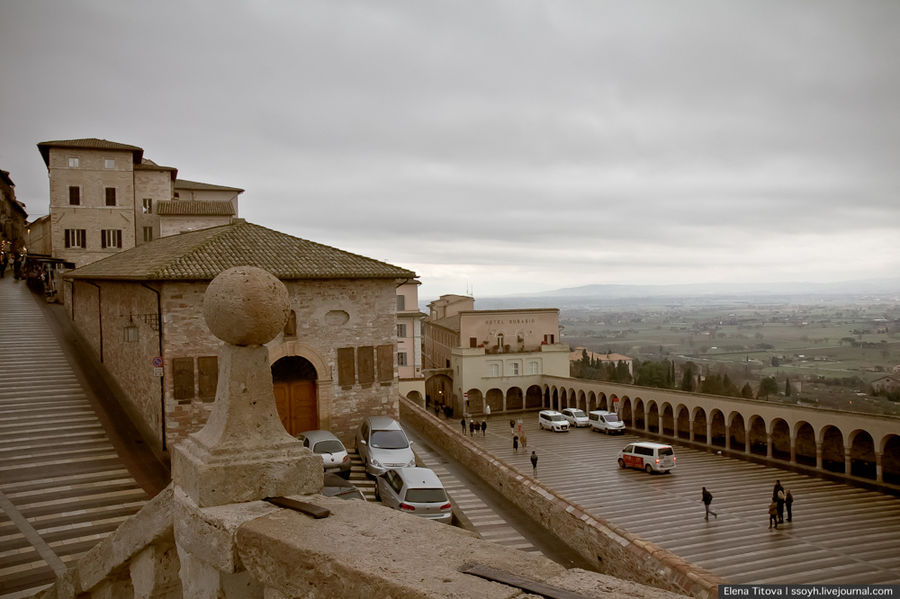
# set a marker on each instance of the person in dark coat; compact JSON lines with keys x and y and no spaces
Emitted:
{"x":706,"y":496}
{"x":788,"y":501}
{"x":17,"y":267}
{"x":4,"y":262}
{"x":462,"y":423}
{"x":483,"y":427}
{"x":778,"y":498}
{"x":534,"y":459}
{"x":773,"y":515}
{"x":515,"y":443}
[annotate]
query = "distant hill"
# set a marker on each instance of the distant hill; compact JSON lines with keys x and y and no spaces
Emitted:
{"x":636,"y":295}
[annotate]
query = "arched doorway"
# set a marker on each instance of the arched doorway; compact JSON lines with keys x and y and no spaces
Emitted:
{"x":294,"y":383}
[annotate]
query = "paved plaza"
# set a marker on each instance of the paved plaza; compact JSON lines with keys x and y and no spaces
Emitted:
{"x":840,"y":533}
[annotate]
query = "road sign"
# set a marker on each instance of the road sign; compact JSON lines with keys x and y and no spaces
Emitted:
{"x":157,"y":362}
{"x":157,"y":371}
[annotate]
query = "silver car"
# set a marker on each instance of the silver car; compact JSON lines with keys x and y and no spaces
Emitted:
{"x":382,"y":444}
{"x":416,"y":491}
{"x":328,"y":447}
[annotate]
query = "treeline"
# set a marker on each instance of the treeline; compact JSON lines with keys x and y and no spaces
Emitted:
{"x":662,"y":375}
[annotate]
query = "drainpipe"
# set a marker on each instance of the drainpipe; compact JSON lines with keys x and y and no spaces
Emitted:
{"x":162,"y":388}
{"x":99,"y":315}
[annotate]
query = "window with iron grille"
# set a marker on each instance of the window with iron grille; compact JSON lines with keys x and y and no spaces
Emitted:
{"x":148,"y":233}
{"x":111,"y":238}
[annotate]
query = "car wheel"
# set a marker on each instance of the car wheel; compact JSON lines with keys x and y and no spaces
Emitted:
{"x":621,"y":463}
{"x":649,"y":469}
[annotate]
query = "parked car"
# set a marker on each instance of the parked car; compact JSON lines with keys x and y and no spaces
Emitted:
{"x":606,"y":422}
{"x":416,"y":491}
{"x":333,"y":453}
{"x":652,"y":457}
{"x":335,"y":486}
{"x":575,"y":417}
{"x":382,"y":444}
{"x":552,"y":420}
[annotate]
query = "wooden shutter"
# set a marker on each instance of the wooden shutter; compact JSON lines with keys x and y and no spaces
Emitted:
{"x":183,"y":376}
{"x":346,"y":370}
{"x":385,"y":363}
{"x":208,"y":376}
{"x":365,"y":358}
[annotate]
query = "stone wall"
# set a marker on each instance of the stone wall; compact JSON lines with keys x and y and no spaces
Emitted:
{"x":109,"y":306}
{"x":615,"y":551}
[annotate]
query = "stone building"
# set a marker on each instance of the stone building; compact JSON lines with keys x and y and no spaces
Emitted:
{"x":409,"y":342}
{"x":333,"y":363}
{"x":104,"y":199}
{"x":608,"y":358}
{"x":478,"y":358}
{"x":12,"y":216}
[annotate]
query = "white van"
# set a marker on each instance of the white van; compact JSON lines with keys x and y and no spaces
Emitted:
{"x":606,"y":422}
{"x":652,"y":457}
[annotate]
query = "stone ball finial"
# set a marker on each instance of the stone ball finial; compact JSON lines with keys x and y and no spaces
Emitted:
{"x":246,"y":305}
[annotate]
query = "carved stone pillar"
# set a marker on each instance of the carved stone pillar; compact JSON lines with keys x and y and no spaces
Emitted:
{"x":818,"y":456}
{"x":879,"y":474}
{"x":243,"y":454}
{"x":691,"y":429}
{"x":848,"y":463}
{"x":769,"y":445}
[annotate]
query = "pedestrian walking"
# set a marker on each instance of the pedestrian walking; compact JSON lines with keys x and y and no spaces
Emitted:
{"x":483,"y":427}
{"x":462,"y":423}
{"x":515,"y":443}
{"x":17,"y":267}
{"x":779,"y":505}
{"x":707,"y":499}
{"x":524,"y":439}
{"x":4,"y":262}
{"x":534,"y":463}
{"x":773,"y":515}
{"x":788,"y":501}
{"x":487,"y":409}
{"x":472,"y":427}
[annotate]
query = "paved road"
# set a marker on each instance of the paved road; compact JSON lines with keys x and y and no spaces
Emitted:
{"x":840,"y":533}
{"x":62,"y":484}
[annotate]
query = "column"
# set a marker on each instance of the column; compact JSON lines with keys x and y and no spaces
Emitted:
{"x":879,"y":475}
{"x":793,"y":450}
{"x":848,"y":463}
{"x":818,"y":455}
{"x":691,"y":428}
{"x":769,"y":445}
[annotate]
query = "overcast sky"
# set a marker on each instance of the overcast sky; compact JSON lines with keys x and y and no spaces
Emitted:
{"x":497,"y":146}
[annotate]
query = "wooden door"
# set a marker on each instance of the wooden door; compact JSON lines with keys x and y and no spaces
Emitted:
{"x":297,"y":405}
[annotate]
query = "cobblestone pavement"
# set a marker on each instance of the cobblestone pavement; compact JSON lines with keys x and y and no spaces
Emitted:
{"x":840,"y":534}
{"x":62,"y":485}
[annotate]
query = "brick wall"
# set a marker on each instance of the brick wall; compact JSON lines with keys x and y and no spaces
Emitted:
{"x":330,"y":314}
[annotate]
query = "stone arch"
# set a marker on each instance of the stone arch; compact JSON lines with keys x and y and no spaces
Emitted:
{"x":652,"y":417}
{"x":514,"y":399}
{"x":832,"y":449}
{"x":627,"y":414}
{"x":668,"y":420}
{"x":582,"y":400}
{"x":415,"y":397}
{"x":533,"y":397}
{"x":781,"y":440}
{"x":439,"y":387}
{"x":494,"y":399}
{"x":862,"y":454}
{"x":546,"y":399}
{"x":804,"y":444}
{"x":758,"y":438}
{"x":297,"y":348}
{"x":737,"y":432}
{"x":592,"y":401}
{"x":890,"y":459}
{"x":717,"y":429}
{"x":700,"y":425}
{"x":476,"y":401}
{"x":683,"y":422}
{"x":554,"y":399}
{"x":603,"y":402}
{"x":295,"y":386}
{"x":639,"y":419}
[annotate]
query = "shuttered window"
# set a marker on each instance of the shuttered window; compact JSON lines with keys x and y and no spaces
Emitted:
{"x":183,"y":377}
{"x":208,"y":376}
{"x":110,"y":196}
{"x":74,"y":195}
{"x":385,"y":363}
{"x":365,"y":360}
{"x":346,"y":366}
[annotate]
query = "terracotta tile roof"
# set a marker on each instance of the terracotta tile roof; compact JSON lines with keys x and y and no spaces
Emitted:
{"x":89,"y":143}
{"x":201,"y":255}
{"x":196,"y":185}
{"x":194,"y":208}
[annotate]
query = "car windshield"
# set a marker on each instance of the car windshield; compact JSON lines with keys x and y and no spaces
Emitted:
{"x":610,"y":417}
{"x":328,"y":446}
{"x":389,"y":440}
{"x":577,"y":413}
{"x":426,"y":496}
{"x":666,"y":451}
{"x":555,"y":417}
